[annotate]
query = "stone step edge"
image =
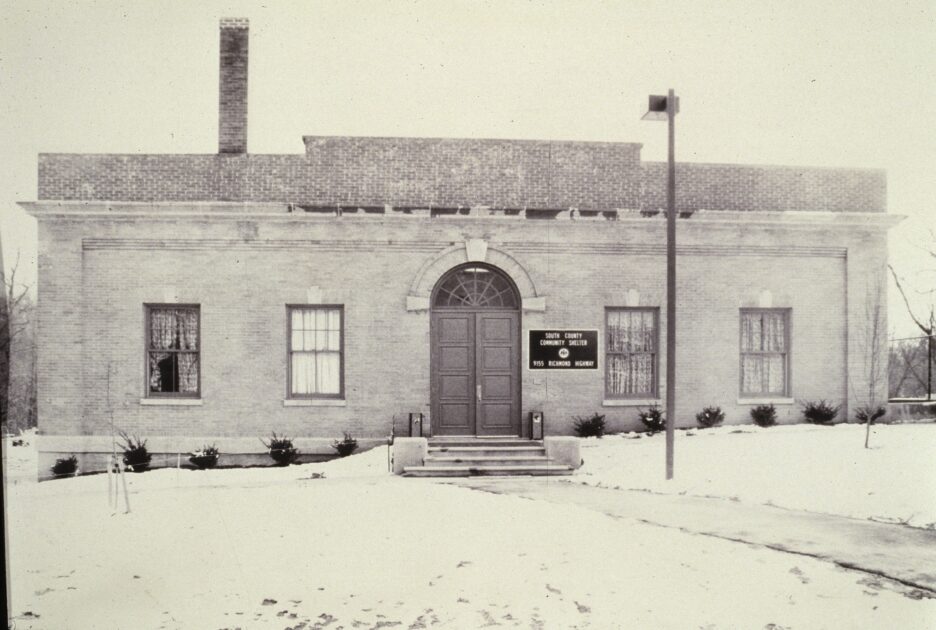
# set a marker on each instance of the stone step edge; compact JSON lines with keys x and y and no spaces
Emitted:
{"x":482,"y":441}
{"x":486,"y":458}
{"x":556,"y":467}
{"x":506,"y":449}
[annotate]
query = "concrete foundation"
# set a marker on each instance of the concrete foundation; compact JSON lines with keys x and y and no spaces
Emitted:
{"x":409,"y":452}
{"x":563,"y":450}
{"x":93,"y":453}
{"x":911,"y":411}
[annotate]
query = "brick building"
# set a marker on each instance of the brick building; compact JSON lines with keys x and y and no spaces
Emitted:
{"x":198,"y":299}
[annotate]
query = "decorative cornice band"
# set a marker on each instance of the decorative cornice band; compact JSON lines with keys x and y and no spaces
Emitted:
{"x":92,"y":244}
{"x":596,"y":249}
{"x":646,"y":249}
{"x":280,"y":212}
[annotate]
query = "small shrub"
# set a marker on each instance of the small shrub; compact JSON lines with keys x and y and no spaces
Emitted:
{"x":65,"y":466}
{"x":820,"y":412}
{"x":764,"y":415}
{"x":346,"y":446}
{"x":281,"y":449}
{"x":869,"y":412}
{"x":710,"y":417}
{"x":205,"y":458}
{"x":653,"y":419}
{"x":592,"y":426}
{"x":135,"y":455}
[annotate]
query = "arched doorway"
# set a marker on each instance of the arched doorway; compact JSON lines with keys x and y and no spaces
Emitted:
{"x":475,"y":357}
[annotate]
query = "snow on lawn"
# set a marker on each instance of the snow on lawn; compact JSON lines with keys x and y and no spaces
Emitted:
{"x":809,"y":467}
{"x":278,"y":548}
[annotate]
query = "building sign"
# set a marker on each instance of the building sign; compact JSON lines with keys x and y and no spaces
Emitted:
{"x":563,"y":349}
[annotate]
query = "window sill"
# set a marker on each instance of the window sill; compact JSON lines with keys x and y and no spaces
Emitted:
{"x":776,"y":400}
{"x":172,"y":402}
{"x":315,"y":402}
{"x":631,"y":402}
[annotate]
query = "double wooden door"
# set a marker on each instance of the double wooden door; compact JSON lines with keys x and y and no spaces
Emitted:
{"x":475,"y":367}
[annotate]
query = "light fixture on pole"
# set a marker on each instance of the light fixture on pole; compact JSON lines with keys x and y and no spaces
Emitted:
{"x":666,"y":108}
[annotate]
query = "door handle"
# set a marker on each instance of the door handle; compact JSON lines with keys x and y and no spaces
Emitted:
{"x":479,"y":393}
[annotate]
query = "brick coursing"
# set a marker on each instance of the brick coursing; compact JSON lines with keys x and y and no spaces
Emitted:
{"x":423,"y":172}
{"x":232,"y":86}
{"x":745,"y":188}
{"x":91,"y":314}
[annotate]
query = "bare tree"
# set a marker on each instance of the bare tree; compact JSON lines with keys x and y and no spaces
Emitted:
{"x":872,"y":339}
{"x":907,"y":368}
{"x":4,"y":343}
{"x":17,"y":347}
{"x":926,"y":323}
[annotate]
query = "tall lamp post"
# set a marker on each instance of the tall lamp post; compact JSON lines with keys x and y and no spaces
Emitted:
{"x":666,"y":108}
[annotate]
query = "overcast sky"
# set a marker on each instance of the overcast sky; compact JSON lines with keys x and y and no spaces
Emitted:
{"x":818,"y":83}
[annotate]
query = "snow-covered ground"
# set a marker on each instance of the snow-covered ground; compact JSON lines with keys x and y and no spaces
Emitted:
{"x":358,"y":548}
{"x":808,"y":467}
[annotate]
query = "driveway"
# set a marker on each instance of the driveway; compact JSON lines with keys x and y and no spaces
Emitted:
{"x":904,"y":554}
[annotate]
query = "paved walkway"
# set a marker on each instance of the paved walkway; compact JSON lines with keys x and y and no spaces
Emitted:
{"x":904,"y":554}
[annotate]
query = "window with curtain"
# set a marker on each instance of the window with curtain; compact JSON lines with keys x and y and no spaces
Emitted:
{"x":630,"y":353}
{"x":765,"y":352}
{"x":172,"y":350}
{"x":315,"y":351}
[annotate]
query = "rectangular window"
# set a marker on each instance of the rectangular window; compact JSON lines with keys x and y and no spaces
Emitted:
{"x":631,"y":353}
{"x":765,"y":342}
{"x":316,"y":347}
{"x":172,"y":350}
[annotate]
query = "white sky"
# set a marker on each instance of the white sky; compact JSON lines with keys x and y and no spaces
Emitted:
{"x":802,"y":83}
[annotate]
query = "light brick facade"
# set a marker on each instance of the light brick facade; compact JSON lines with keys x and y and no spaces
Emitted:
{"x":372,"y":224}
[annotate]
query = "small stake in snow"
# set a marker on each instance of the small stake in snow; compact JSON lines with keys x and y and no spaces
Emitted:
{"x":389,"y":445}
{"x":115,"y":471}
{"x":113,"y":464}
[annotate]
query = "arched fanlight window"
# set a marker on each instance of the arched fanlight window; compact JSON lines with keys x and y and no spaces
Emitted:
{"x":475,"y":286}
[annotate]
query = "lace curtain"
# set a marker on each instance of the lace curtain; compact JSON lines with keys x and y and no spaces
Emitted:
{"x":173,"y":350}
{"x":315,"y":351}
{"x":631,"y":352}
{"x":763,"y":352}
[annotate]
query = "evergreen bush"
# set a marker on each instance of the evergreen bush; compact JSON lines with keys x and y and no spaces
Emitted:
{"x":870,"y":412}
{"x":281,"y":449}
{"x":135,"y":455}
{"x":653,"y":418}
{"x":710,"y":417}
{"x":820,"y":412}
{"x":65,"y":466}
{"x":764,"y":415}
{"x":592,"y":426}
{"x":346,"y":446}
{"x":205,"y":458}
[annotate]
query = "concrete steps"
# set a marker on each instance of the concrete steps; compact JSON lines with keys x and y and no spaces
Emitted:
{"x":468,"y":457}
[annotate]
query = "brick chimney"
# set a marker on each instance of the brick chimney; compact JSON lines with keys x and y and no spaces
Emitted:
{"x":232,"y":89}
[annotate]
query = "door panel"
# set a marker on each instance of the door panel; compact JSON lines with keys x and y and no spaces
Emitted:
{"x":497,"y":328}
{"x":455,"y":386}
{"x":498,"y":419}
{"x":453,"y":373}
{"x":496,"y":358}
{"x":454,"y":358}
{"x":475,"y":372}
{"x":454,"y":328}
{"x":498,"y":346}
{"x":496,"y":386}
{"x":453,"y":418}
